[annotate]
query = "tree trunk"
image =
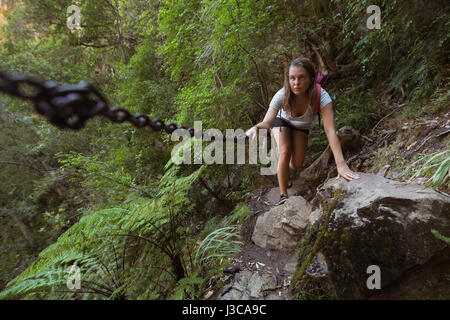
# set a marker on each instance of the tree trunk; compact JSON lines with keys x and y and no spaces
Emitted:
{"x":179,"y":270}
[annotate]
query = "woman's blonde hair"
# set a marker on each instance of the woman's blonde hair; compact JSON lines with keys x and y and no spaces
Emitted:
{"x":288,"y":100}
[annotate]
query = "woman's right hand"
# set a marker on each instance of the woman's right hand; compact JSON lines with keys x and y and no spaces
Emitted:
{"x":251,"y":133}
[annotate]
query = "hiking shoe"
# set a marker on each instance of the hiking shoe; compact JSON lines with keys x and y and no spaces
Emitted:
{"x":283,"y":199}
{"x":289,"y":184}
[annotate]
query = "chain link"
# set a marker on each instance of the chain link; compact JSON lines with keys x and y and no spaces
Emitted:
{"x":70,"y":106}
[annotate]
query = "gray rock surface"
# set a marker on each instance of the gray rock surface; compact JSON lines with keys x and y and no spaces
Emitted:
{"x":376,"y":221}
{"x":281,"y":226}
{"x":276,"y":232}
{"x":249,"y":285}
{"x":391,"y":200}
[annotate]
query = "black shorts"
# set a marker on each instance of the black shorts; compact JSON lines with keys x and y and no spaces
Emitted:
{"x":283,"y":123}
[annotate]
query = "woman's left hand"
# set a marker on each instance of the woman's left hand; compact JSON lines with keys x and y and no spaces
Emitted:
{"x":345,"y":172}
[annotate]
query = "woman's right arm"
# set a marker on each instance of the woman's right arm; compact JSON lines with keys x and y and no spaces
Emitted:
{"x":274,"y":106}
{"x":271,"y":114}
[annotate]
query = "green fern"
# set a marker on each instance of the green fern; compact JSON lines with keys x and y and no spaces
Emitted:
{"x":84,"y":244}
{"x":218,"y":244}
{"x":435,"y":165}
{"x":440,"y":236}
{"x":108,"y":243}
{"x":240,"y":213}
{"x":188,"y":288}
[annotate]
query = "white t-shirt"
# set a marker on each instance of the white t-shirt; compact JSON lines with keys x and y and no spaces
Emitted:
{"x":302,"y":122}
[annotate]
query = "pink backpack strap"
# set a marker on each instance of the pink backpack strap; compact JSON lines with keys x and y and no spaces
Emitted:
{"x":317,"y":105}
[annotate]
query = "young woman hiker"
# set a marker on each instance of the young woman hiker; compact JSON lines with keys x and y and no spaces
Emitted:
{"x":290,"y":116}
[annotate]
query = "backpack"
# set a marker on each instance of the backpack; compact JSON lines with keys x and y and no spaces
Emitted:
{"x":321,"y":82}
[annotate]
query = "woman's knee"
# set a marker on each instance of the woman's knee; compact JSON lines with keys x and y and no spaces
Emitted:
{"x":285,"y":155}
{"x":296,"y":164}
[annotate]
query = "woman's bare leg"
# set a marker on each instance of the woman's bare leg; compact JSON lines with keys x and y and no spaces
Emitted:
{"x":283,"y":139}
{"x":299,"y":143}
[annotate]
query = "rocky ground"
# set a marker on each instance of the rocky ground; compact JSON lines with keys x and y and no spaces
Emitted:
{"x":393,"y":146}
{"x":266,"y":271}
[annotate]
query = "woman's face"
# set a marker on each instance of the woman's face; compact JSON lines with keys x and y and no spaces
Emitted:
{"x":299,"y":80}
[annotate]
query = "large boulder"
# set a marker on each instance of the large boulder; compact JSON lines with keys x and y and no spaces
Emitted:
{"x":280,"y":227}
{"x":369,"y":223}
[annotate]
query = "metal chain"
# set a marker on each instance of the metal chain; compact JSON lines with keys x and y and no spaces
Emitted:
{"x":70,"y":106}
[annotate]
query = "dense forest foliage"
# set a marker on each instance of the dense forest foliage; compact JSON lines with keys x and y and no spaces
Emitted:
{"x":108,"y":198}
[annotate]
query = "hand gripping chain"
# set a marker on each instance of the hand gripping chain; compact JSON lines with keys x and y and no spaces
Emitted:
{"x":70,"y":106}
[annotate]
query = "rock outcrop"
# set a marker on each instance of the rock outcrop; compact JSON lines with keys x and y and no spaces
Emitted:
{"x":369,"y":223}
{"x":280,"y":227}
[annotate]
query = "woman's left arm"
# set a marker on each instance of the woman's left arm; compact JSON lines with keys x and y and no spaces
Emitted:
{"x":330,"y":130}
